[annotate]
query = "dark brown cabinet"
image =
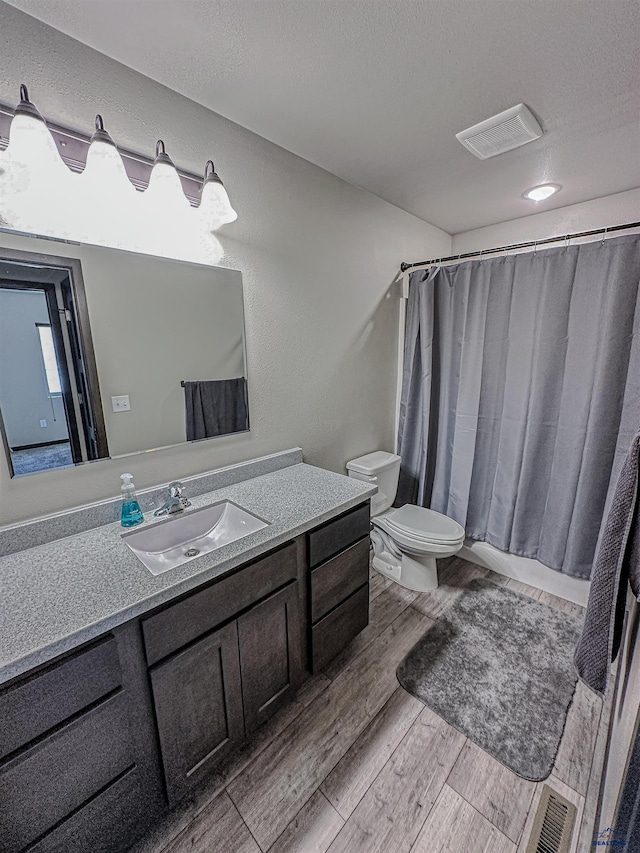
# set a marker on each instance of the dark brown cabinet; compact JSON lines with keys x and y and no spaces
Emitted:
{"x":208,"y":695}
{"x":339,"y":533}
{"x":338,"y":556}
{"x":211,"y":691}
{"x":334,"y":632}
{"x":270,"y":660}
{"x":198,"y":703}
{"x":78,"y":766}
{"x":335,"y":580}
{"x":185,"y":620}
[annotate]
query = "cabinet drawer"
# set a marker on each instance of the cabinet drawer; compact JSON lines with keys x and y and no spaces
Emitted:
{"x":179,"y":624}
{"x":51,"y":779}
{"x":338,"y":534}
{"x":110,"y":822}
{"x":336,"y":579}
{"x":331,"y":634}
{"x":38,"y":704}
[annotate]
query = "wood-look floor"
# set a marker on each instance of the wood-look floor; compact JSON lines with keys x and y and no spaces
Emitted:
{"x":357,"y":765}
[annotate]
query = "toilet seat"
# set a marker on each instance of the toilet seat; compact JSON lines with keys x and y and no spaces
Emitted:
{"x":422,"y":525}
{"x":413,"y":545}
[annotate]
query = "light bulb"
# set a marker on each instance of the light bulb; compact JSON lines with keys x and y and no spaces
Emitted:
{"x":165,"y":212}
{"x":165,"y":187}
{"x":104,"y":166}
{"x":34,"y":177}
{"x":30,"y":143}
{"x":106,"y":193}
{"x":215,"y":207}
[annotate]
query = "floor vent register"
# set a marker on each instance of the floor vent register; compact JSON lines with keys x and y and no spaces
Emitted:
{"x":553,"y":824}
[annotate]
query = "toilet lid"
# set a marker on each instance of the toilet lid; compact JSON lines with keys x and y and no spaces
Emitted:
{"x":425,"y":524}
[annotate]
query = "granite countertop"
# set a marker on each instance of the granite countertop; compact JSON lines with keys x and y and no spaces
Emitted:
{"x":63,"y":593}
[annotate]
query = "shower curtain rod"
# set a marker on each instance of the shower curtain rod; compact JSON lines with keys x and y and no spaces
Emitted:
{"x":404,"y":266}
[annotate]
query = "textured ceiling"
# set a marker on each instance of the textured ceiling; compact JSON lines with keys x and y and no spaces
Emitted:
{"x":374,"y":90}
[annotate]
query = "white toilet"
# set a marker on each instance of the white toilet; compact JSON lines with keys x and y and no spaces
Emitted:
{"x":406,"y":541}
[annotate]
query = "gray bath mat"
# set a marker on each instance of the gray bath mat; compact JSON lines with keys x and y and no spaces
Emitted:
{"x":498,"y":666}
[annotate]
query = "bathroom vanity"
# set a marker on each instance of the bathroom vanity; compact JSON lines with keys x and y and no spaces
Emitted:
{"x":106,"y":727}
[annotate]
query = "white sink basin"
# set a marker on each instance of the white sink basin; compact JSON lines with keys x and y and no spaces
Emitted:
{"x":176,"y":540}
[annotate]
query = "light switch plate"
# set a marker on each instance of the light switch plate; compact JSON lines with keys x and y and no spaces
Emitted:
{"x":121,"y":404}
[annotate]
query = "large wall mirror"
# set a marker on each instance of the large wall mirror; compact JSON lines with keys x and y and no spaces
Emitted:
{"x":104,"y":353}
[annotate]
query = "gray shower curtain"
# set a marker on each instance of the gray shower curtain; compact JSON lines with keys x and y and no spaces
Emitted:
{"x":521,"y":395}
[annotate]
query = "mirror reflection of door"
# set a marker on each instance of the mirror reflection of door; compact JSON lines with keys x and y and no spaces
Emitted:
{"x":45,"y":421}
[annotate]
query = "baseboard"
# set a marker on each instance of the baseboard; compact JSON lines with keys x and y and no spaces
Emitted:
{"x":526,"y":570}
{"x":39,"y":444}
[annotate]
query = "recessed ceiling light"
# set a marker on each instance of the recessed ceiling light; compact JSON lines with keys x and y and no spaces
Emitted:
{"x":541,"y":192}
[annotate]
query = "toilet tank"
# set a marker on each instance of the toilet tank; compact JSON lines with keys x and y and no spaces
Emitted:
{"x":381,"y":468}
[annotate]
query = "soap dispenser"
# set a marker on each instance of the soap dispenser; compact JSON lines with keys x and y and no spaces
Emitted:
{"x":131,"y":512}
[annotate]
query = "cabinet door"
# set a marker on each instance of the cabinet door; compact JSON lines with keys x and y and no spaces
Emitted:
{"x":270,"y":659}
{"x":198,"y":705}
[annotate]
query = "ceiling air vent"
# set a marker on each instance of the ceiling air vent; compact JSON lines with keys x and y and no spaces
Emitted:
{"x":510,"y":129}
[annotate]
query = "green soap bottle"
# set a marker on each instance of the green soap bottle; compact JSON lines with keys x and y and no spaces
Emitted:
{"x":131,"y":512}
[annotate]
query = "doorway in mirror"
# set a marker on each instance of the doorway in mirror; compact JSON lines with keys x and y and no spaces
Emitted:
{"x":46,"y":419}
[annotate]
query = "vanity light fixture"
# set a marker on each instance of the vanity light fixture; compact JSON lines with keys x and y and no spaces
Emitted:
{"x":103,"y":156}
{"x":36,"y":152}
{"x":100,"y":134}
{"x":104,"y":165}
{"x":541,"y":192}
{"x":25,"y":107}
{"x":164,"y":182}
{"x":214,"y":200}
{"x":31,"y":165}
{"x":104,"y":189}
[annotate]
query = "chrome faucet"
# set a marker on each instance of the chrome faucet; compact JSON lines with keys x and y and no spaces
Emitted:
{"x":176,"y":501}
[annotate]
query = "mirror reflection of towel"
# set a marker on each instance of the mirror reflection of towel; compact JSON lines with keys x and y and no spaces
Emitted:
{"x":215,"y":407}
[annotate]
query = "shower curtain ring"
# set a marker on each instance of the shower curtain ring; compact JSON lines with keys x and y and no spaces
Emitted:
{"x":535,"y":248}
{"x":604,"y":237}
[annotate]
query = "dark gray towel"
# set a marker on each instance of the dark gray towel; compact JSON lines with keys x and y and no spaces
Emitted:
{"x":627,"y":822}
{"x":215,"y":407}
{"x":617,"y":562}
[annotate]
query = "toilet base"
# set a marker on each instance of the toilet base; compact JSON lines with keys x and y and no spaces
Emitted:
{"x":419,"y":574}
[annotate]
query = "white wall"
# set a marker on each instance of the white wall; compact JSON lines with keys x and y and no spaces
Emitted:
{"x":318,"y":257}
{"x":602,"y":213}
